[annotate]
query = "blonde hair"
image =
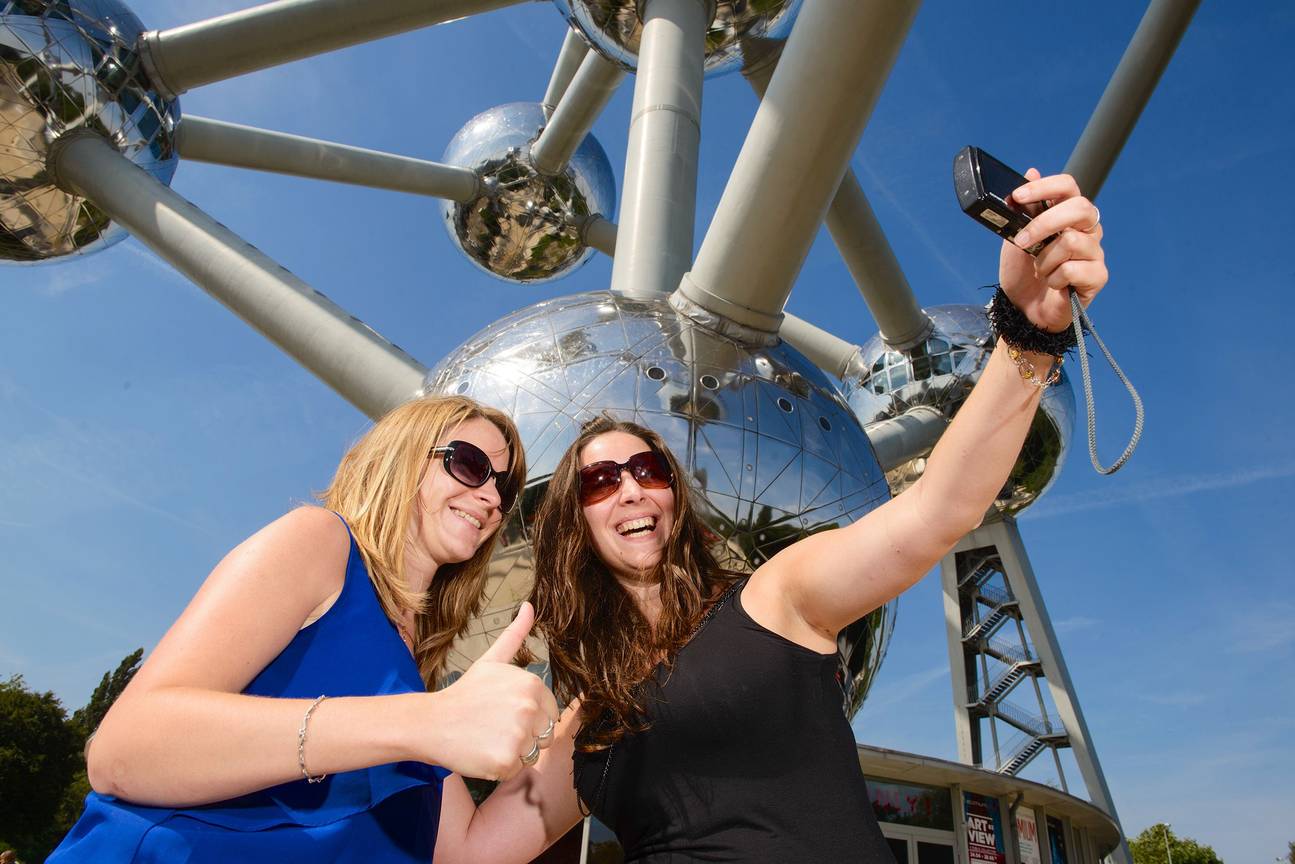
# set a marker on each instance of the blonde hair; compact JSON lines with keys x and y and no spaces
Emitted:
{"x":375,"y":489}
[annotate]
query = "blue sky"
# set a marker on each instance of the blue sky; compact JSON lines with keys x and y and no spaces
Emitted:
{"x":144,"y":430}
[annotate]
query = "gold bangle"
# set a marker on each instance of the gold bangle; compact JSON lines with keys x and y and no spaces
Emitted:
{"x":301,"y":743}
{"x":1026,"y":368}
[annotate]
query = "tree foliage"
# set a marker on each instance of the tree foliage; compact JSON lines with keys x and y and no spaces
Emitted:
{"x":42,"y":770}
{"x":1149,"y":847}
{"x":39,"y":752}
{"x":87,"y":719}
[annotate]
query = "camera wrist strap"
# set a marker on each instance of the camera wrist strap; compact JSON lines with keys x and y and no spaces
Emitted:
{"x":1082,"y":322}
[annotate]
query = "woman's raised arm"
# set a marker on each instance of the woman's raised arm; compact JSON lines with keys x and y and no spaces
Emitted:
{"x":814,"y":588}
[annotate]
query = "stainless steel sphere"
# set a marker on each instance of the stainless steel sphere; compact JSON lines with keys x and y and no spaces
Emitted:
{"x":940,"y":373}
{"x":527,"y":226}
{"x":771,"y":448}
{"x":68,"y":65}
{"x":614,"y":28}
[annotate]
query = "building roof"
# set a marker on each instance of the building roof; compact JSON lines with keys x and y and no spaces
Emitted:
{"x":912,"y":768}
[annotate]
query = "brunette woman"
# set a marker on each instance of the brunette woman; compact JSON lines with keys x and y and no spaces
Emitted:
{"x":285,"y":715}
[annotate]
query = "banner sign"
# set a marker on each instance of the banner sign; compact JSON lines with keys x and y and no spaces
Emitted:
{"x":1027,"y":836}
{"x":984,"y":829}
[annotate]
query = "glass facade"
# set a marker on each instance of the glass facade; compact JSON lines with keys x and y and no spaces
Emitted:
{"x":1057,"y":841}
{"x":921,"y":827}
{"x":919,"y":806}
{"x":934,"y":853}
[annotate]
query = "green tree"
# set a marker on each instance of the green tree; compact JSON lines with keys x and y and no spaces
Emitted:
{"x":1149,"y":848}
{"x":87,"y":719}
{"x":39,"y":755}
{"x":43,"y":783}
{"x":1290,"y":852}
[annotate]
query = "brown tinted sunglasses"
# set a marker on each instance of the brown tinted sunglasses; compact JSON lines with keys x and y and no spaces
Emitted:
{"x":599,"y":480}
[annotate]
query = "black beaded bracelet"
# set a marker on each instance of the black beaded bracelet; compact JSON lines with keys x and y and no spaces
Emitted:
{"x":1013,"y":327}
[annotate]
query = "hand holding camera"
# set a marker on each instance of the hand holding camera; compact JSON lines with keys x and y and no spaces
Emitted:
{"x":1054,"y":235}
{"x":1051,"y":265}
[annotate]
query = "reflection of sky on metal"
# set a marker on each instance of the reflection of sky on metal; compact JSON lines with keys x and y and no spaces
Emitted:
{"x":66,"y":66}
{"x":939,"y":373}
{"x":768,"y":443}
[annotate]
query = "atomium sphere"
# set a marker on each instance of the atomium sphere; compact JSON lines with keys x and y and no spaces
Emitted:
{"x":939,"y":373}
{"x":770,"y":447}
{"x":527,"y":226}
{"x":67,"y":65}
{"x":613,"y":28}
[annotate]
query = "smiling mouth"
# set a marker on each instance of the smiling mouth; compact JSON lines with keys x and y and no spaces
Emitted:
{"x":467,"y":517}
{"x":637,"y":527}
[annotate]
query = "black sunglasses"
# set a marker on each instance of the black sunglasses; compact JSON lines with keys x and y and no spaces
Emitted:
{"x":599,"y":480}
{"x":468,"y":464}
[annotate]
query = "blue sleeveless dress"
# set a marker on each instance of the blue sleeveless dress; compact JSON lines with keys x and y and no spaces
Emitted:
{"x":388,"y":813}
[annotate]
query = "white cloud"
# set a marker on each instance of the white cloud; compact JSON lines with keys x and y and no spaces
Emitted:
{"x":1073,"y":624}
{"x":1173,"y":486}
{"x":894,"y":693}
{"x":1177,"y":699}
{"x":1262,"y":629}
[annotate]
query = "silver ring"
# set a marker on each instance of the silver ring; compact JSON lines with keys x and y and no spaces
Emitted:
{"x":1097,"y":219}
{"x":534,"y":756}
{"x":547,"y":733}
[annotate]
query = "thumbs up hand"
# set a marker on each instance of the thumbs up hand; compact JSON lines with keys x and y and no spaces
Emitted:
{"x":494,"y":720}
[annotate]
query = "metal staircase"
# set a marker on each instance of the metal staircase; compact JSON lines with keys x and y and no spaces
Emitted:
{"x":1000,"y":661}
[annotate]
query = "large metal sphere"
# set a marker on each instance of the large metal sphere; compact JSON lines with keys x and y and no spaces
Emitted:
{"x":771,"y":449}
{"x":940,"y":373}
{"x":527,"y":226}
{"x":613,"y":28}
{"x":67,"y":65}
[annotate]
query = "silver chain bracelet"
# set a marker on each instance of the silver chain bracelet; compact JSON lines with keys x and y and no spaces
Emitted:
{"x":301,"y":743}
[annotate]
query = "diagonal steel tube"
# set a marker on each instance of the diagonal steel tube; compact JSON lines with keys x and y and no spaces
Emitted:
{"x":863,"y":246}
{"x":901,"y":439}
{"x":599,"y":234}
{"x":831,"y":71}
{"x":874,"y":267}
{"x":570,"y":56}
{"x":181,"y":58}
{"x":221,"y":143}
{"x":581,"y":103}
{"x":832,"y":354}
{"x":658,"y":209}
{"x":1130,"y":88}
{"x":369,"y":372}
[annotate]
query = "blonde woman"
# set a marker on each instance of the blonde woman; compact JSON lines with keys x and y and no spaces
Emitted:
{"x":285,"y":715}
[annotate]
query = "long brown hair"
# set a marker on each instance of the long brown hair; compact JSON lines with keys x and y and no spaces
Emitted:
{"x":375,"y":489}
{"x":601,"y":647}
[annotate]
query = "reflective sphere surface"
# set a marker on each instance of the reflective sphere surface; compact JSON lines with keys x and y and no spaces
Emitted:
{"x":68,"y":65}
{"x":940,"y":373}
{"x":770,"y":447}
{"x":527,"y":225}
{"x":614,"y":29}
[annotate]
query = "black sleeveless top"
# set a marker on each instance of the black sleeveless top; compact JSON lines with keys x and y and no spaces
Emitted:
{"x":748,"y":757}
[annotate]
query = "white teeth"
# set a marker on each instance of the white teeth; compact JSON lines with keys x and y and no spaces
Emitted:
{"x":635,"y":524}
{"x":472,"y":520}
